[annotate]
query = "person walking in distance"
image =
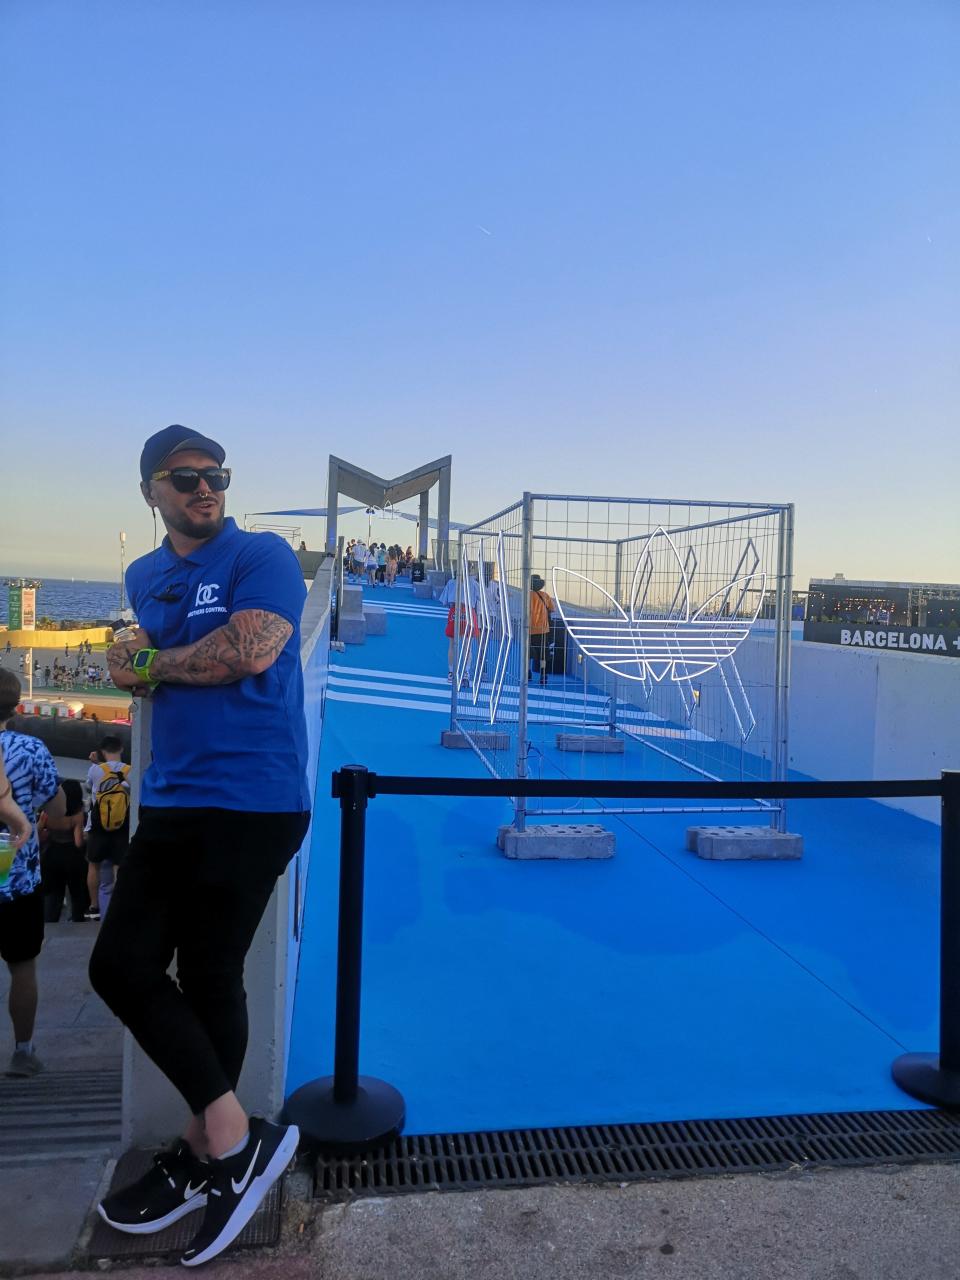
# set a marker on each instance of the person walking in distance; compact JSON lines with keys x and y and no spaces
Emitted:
{"x":359,"y":561}
{"x":224,"y":806}
{"x":541,"y":607}
{"x":109,"y":828}
{"x":469,"y":592}
{"x":30,"y":783}
{"x":63,"y":867}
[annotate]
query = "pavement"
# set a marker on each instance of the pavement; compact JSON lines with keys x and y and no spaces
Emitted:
{"x":864,"y":1224}
{"x":881,"y":1223}
{"x":48,"y":1185}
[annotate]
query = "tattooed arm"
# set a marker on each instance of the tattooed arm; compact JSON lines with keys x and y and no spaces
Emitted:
{"x":245,"y":646}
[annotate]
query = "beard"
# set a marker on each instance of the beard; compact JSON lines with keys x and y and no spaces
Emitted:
{"x":203,"y":528}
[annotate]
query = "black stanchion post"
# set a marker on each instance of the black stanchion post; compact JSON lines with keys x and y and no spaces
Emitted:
{"x":353,"y":834}
{"x":935,"y":1077}
{"x":346,"y":1111}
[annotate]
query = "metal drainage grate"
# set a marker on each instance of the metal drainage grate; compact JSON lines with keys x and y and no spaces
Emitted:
{"x":58,"y":1115}
{"x":262,"y":1229}
{"x":630,"y":1152}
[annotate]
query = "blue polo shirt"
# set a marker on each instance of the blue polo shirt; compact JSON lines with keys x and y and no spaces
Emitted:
{"x":229,"y":746}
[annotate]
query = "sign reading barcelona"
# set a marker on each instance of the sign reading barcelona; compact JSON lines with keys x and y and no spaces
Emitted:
{"x":871,"y":635}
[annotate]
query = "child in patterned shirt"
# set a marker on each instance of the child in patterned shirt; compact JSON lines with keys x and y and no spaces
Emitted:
{"x":33,"y":778}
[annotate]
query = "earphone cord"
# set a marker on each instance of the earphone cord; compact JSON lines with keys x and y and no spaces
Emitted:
{"x":153,"y":567}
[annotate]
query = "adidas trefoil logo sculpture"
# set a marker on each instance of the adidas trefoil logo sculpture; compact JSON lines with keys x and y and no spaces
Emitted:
{"x":658,"y":638}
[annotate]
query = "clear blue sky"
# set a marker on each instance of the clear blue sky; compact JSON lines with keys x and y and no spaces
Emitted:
{"x":689,"y":249}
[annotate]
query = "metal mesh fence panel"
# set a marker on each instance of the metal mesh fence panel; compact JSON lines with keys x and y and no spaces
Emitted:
{"x":621,"y":638}
{"x":489,"y":696}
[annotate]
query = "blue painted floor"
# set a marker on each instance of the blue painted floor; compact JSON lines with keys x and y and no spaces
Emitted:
{"x":653,"y":986}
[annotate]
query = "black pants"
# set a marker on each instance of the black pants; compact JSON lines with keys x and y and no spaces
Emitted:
{"x":194,"y":883}
{"x":538,"y":654}
{"x":63,"y":867}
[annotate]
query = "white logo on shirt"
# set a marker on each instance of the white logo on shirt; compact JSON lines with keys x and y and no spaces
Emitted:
{"x":205,"y":593}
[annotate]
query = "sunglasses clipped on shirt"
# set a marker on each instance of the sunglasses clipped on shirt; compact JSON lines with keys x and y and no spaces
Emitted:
{"x":187,"y":479}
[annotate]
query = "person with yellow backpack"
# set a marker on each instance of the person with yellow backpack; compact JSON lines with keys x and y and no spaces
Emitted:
{"x":108,"y":832}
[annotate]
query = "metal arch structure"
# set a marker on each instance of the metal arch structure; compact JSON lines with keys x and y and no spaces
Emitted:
{"x":378,"y":491}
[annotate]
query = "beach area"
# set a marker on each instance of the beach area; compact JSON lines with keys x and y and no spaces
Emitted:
{"x":80,"y":601}
{"x":68,"y":682}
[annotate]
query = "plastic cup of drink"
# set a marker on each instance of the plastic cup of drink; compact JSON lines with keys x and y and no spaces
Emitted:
{"x":7,"y":853}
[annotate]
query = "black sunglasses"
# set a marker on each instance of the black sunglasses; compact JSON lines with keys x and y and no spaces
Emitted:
{"x":187,"y":479}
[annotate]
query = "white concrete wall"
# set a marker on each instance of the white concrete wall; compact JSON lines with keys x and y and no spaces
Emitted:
{"x":861,"y":713}
{"x":854,"y":713}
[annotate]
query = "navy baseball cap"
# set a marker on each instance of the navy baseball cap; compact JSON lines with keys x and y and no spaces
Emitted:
{"x":171,"y":440}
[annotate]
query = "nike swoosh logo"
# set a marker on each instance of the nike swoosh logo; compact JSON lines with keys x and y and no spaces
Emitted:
{"x":191,"y":1190}
{"x":241,"y":1185}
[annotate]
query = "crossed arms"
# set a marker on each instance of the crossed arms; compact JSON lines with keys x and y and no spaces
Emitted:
{"x":245,"y":646}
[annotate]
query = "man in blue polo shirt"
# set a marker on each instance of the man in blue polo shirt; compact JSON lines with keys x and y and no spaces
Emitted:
{"x":224,"y":807}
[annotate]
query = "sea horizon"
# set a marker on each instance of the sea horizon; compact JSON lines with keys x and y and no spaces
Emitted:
{"x":74,"y":599}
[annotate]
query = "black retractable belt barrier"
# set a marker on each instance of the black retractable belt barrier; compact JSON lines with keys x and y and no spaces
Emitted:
{"x":348,"y":1112}
{"x":935,"y":1077}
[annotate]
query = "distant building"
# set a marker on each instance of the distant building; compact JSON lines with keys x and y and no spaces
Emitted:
{"x":904,"y":604}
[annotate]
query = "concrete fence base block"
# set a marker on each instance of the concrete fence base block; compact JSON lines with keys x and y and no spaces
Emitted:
{"x":375,"y":617}
{"x":423,"y":590}
{"x":729,"y":844}
{"x":458,"y":741}
{"x":437,"y":578}
{"x":590,"y":742}
{"x":351,"y":603}
{"x":353,"y":630}
{"x":567,"y":841}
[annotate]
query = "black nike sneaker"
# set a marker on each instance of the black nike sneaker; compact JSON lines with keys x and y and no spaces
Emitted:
{"x":176,"y":1184}
{"x":238,"y":1186}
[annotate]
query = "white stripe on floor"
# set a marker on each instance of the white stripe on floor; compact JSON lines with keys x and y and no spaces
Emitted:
{"x":442,"y":690}
{"x":535,"y":693}
{"x":387,"y":675}
{"x":400,"y":612}
{"x":408,"y":704}
{"x":389,"y":680}
{"x":405,"y":703}
{"x":394,"y":687}
{"x":438,"y":700}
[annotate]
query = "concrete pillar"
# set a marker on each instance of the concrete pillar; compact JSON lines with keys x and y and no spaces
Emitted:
{"x":333,"y":502}
{"x":424,"y":524}
{"x":443,"y":519}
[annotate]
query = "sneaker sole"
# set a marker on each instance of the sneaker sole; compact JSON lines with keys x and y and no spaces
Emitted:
{"x":158,"y":1224}
{"x":251,"y":1199}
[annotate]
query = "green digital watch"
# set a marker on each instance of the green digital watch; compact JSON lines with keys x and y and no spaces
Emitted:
{"x":142,"y":662}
